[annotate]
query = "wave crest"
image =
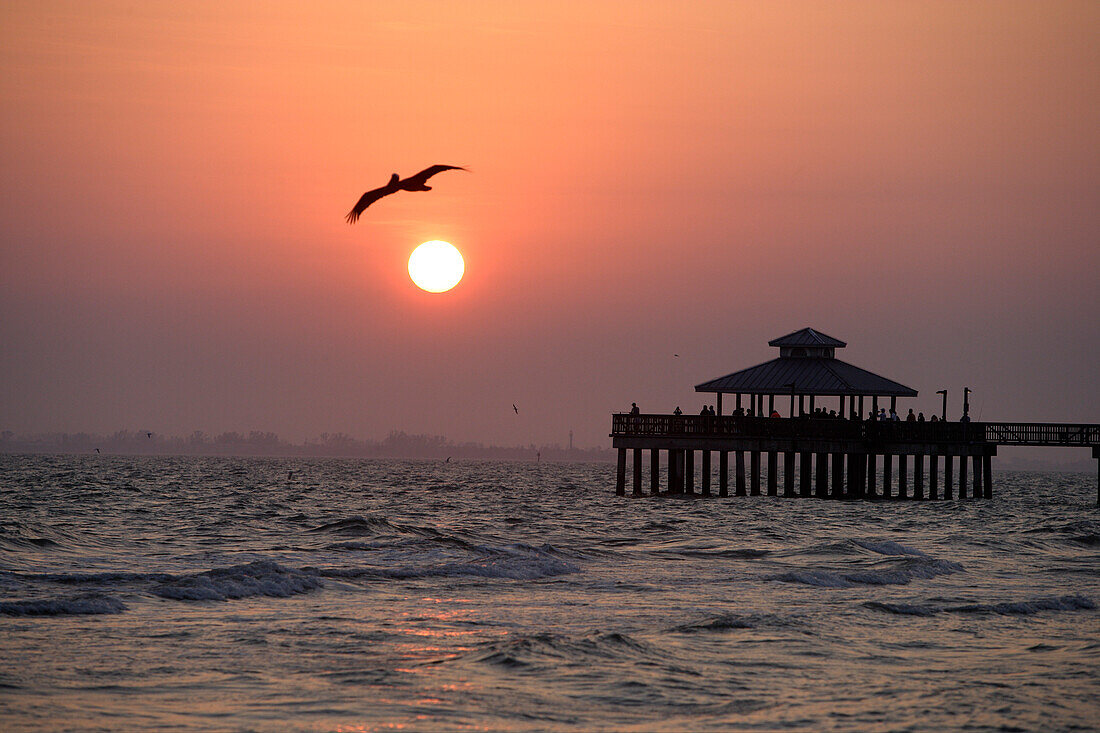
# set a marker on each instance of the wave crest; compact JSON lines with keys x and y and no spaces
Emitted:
{"x":259,"y":578}
{"x":1008,"y":608}
{"x":900,"y":572}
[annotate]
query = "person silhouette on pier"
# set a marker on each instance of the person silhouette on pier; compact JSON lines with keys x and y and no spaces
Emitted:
{"x":677,"y":411}
{"x":634,"y":409}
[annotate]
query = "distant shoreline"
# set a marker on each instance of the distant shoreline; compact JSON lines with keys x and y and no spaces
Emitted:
{"x":262,"y":444}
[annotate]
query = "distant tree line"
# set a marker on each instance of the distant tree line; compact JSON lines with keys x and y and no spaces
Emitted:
{"x":397,"y":444}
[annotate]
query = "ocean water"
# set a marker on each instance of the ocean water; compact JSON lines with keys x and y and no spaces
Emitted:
{"x":348,"y":595}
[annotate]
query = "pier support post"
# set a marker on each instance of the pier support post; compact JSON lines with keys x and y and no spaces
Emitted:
{"x":918,"y":476}
{"x":804,"y":473}
{"x":773,"y":473}
{"x":903,"y":477}
{"x":670,"y":471}
{"x":854,"y":490}
{"x":723,"y":473}
{"x":1096,"y":455}
{"x":706,"y":473}
{"x":887,"y":475}
{"x":872,"y":475}
{"x":948,"y":482}
{"x":821,"y":480}
{"x":933,"y":475}
{"x":977,"y":461}
{"x":739,"y":472}
{"x":962,"y":476}
{"x":788,"y":473}
{"x":838,"y":476}
{"x":987,"y":471}
{"x":689,"y":471}
{"x":754,"y":472}
{"x":620,"y":474}
{"x":654,"y":471}
{"x":637,"y":488}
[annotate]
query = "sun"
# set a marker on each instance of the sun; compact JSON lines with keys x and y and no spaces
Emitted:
{"x":436,"y":266}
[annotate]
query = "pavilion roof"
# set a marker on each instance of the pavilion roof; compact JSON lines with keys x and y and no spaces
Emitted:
{"x":807,"y":337}
{"x":810,"y":376}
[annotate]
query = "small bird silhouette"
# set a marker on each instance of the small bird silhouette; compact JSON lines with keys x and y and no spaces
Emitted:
{"x":515,"y":408}
{"x":148,"y":435}
{"x":412,"y":183}
{"x":97,"y":450}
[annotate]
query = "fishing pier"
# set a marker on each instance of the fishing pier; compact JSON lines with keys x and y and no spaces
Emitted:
{"x":835,"y":454}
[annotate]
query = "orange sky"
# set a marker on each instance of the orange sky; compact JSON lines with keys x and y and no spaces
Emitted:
{"x":921,"y":180}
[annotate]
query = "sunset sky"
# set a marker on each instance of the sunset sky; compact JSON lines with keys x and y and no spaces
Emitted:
{"x":920,"y":179}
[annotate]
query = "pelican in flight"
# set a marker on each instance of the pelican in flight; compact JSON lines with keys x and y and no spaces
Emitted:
{"x":412,"y":183}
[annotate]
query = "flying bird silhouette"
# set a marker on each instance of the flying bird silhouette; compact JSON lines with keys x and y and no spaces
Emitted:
{"x":515,"y":408}
{"x":412,"y":183}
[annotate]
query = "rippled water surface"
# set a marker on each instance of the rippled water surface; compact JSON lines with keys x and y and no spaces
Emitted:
{"x":265,"y":594}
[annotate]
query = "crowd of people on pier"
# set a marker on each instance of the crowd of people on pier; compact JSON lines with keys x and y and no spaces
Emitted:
{"x":818,"y":413}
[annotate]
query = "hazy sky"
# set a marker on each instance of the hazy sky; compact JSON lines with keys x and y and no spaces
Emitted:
{"x":921,"y":180}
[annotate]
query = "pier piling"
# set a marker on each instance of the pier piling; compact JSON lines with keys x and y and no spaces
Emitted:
{"x":773,"y":473}
{"x":962,"y":476}
{"x":977,"y":460}
{"x":805,"y":473}
{"x":788,"y":473}
{"x":821,"y":481}
{"x":620,"y":474}
{"x":918,"y":476}
{"x":948,"y":462}
{"x":903,"y":478}
{"x":872,"y":475}
{"x":933,"y":475}
{"x":887,"y":475}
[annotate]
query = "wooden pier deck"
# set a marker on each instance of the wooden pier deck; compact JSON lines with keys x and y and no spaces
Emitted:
{"x":835,"y":458}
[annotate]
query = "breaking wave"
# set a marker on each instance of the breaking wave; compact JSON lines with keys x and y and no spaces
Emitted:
{"x":900,"y":572}
{"x":511,"y":562}
{"x":888,"y":548}
{"x":1010,"y":608}
{"x":535,"y":650}
{"x":724,"y":622}
{"x":260,"y":578}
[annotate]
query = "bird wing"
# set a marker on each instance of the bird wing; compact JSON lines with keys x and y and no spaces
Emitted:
{"x":422,"y":177}
{"x":366,"y":200}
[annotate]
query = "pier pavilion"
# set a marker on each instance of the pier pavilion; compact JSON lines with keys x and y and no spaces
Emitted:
{"x":807,"y":369}
{"x":836,"y":457}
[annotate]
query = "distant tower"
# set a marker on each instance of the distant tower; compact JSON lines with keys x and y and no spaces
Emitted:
{"x":570,"y":440}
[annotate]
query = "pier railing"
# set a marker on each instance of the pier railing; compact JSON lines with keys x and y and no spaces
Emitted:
{"x":1037,"y":433}
{"x":685,"y":426}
